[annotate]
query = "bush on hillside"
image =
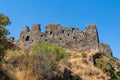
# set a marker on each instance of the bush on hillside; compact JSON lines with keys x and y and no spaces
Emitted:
{"x":44,"y":58}
{"x":38,"y":63}
{"x":50,"y":50}
{"x":84,"y":55}
{"x":107,"y":65}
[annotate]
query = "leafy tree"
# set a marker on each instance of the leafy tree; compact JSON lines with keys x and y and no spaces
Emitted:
{"x":4,"y":21}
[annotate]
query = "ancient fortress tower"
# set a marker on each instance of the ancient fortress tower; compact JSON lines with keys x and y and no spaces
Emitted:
{"x":67,"y":38}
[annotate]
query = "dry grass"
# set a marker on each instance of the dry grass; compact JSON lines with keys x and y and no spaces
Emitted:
{"x":38,"y":63}
{"x":9,"y":54}
{"x":78,"y":62}
{"x":20,"y":75}
{"x":81,"y":65}
{"x":23,"y":68}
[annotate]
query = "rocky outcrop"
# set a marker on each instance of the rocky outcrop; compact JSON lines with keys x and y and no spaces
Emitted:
{"x":105,"y":48}
{"x":11,"y":44}
{"x":64,"y":74}
{"x":69,"y":38}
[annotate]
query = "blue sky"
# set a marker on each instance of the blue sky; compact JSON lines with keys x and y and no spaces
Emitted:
{"x":78,"y":13}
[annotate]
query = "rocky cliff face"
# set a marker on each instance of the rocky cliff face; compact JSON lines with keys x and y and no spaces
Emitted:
{"x":68,"y":38}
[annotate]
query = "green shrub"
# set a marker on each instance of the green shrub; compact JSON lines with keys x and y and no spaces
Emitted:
{"x":84,"y":55}
{"x":50,"y":50}
{"x":4,"y":21}
{"x":106,"y":64}
{"x":46,"y":57}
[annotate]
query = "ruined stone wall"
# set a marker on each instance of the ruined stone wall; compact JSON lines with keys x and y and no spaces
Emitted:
{"x":69,"y":38}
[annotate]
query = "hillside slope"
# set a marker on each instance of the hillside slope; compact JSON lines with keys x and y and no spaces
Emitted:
{"x":82,"y":65}
{"x":49,"y":62}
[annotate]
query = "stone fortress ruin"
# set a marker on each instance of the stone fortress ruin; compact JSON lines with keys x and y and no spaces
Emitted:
{"x":68,"y":38}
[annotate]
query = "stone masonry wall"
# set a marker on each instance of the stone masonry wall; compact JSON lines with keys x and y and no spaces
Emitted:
{"x":69,"y":38}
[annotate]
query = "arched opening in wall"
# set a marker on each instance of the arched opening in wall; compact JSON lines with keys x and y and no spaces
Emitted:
{"x":60,"y":38}
{"x":51,"y":33}
{"x":46,"y":40}
{"x":41,"y":35}
{"x":23,"y":37}
{"x":27,"y":38}
{"x":73,"y":30}
{"x":63,"y":31}
{"x":68,"y":34}
{"x":73,"y":37}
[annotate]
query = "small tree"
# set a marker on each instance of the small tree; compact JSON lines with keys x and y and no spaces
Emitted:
{"x":4,"y":21}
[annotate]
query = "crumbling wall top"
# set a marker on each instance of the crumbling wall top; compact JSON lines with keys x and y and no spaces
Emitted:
{"x":26,"y":29}
{"x":36,"y":27}
{"x":53,"y":27}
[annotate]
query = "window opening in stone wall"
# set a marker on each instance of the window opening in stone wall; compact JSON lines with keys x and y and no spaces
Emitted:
{"x":60,"y":38}
{"x":41,"y":35}
{"x":27,"y":38}
{"x":73,"y":30}
{"x":73,"y":37}
{"x":51,"y":33}
{"x":68,"y":34}
{"x":63,"y":31}
{"x":45,"y":39}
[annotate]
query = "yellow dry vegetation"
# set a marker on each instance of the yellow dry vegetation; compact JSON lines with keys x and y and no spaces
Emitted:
{"x":81,"y":65}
